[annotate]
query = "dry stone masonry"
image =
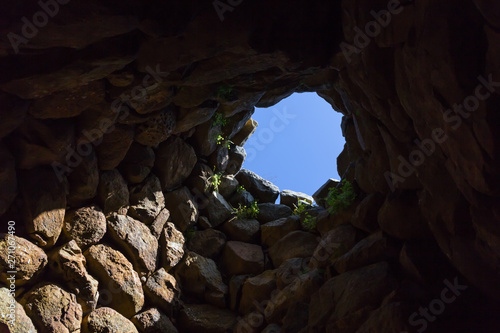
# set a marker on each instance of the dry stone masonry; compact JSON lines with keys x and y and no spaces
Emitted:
{"x":124,"y":206}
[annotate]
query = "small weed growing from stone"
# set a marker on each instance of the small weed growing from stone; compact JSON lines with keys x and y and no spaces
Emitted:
{"x":240,"y":189}
{"x":309,"y":222}
{"x":215,"y":181}
{"x":219,"y":120}
{"x":189,"y":234}
{"x":247,"y":212}
{"x":340,"y":198}
{"x":225,"y":91}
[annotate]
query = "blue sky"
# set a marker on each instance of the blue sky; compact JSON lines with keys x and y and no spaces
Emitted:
{"x":296,"y":143}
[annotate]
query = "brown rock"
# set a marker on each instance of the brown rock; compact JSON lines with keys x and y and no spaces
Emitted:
{"x":271,"y":212}
{"x":206,"y":318}
{"x":153,"y":321}
{"x":200,"y":277}
{"x":333,"y":245}
{"x":260,"y":188}
{"x":114,"y":147}
{"x":237,"y":155}
{"x":86,"y":225}
{"x":53,"y":309}
{"x":136,"y":239}
{"x":209,"y":243}
{"x":365,"y":216}
{"x":367,"y":286}
{"x":235,"y":287}
{"x":12,"y":113}
{"x":8,"y":179}
{"x":119,"y":284}
{"x":218,"y":209}
{"x":171,"y":246}
{"x":69,"y":263}
{"x":68,"y":103}
{"x":243,"y":258}
{"x":245,"y":133}
{"x":157,"y":128}
{"x":146,"y":200}
{"x":162,"y":290}
{"x":257,"y":289}
{"x":289,"y":270}
{"x":13,"y":317}
{"x":297,"y":244}
{"x":174,"y":162}
{"x":138,"y":163}
{"x":199,"y":182}
{"x":159,"y":223}
{"x":112,"y":192}
{"x":192,"y":117}
{"x":29,"y":259}
{"x":83,"y":180}
{"x":374,"y":248}
{"x":183,"y":208}
{"x":296,"y":317}
{"x":44,"y":205}
{"x":107,"y":320}
{"x":272,"y":232}
{"x":242,"y":230}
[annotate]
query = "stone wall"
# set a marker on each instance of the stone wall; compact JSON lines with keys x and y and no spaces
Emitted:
{"x":122,"y":134}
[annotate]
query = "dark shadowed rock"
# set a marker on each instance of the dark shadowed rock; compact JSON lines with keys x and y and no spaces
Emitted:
{"x":153,"y":321}
{"x":8,"y":179}
{"x":271,"y":212}
{"x":162,"y":290}
{"x":114,"y":147}
{"x":208,"y":243}
{"x":297,"y":244}
{"x":83,"y":180}
{"x":183,"y":208}
{"x":157,"y":128}
{"x":146,"y":200}
{"x":243,"y":258}
{"x":206,"y":318}
{"x":218,"y":209}
{"x":242,"y":230}
{"x":292,"y":198}
{"x":333,"y":245}
{"x":273,"y":231}
{"x":112,"y":192}
{"x":243,"y":198}
{"x":44,"y":197}
{"x":321,"y":194}
{"x":138,"y":163}
{"x":228,"y":186}
{"x":174,"y":162}
{"x":261,"y":189}
{"x":257,"y":289}
{"x":237,"y":155}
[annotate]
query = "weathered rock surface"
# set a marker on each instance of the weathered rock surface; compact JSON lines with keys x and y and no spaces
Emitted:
{"x":206,"y":318}
{"x":242,"y":230}
{"x":119,"y":284}
{"x":218,"y":209}
{"x":112,"y":193}
{"x":86,"y":225}
{"x":200,"y":277}
{"x":136,"y":240}
{"x":273,"y":231}
{"x":53,"y":309}
{"x":174,"y":162}
{"x":292,"y":198}
{"x":260,"y":188}
{"x":162,"y":290}
{"x":69,"y":262}
{"x":107,"y":320}
{"x":20,"y":255}
{"x":208,"y":243}
{"x":183,"y":208}
{"x":171,"y":246}
{"x":146,"y":200}
{"x":13,"y":317}
{"x":153,"y":321}
{"x":257,"y":289}
{"x":270,"y":212}
{"x":243,"y":258}
{"x":138,"y":163}
{"x":297,"y":244}
{"x":44,"y":205}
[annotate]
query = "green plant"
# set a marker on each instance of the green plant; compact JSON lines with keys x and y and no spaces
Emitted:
{"x":300,"y":207}
{"x":240,"y":189}
{"x":225,"y":91}
{"x":215,"y":181}
{"x":222,"y":141}
{"x":218,"y":119}
{"x":247,"y":212}
{"x":308,"y":222}
{"x":341,"y":197}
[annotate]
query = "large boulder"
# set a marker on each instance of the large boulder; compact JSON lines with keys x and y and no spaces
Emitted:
{"x":107,"y":320}
{"x":297,"y":244}
{"x":136,"y":239}
{"x":53,"y":309}
{"x":263,"y":190}
{"x":20,"y":255}
{"x":86,"y":225}
{"x":242,"y":258}
{"x":44,"y":197}
{"x":174,"y":162}
{"x":119,"y":285}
